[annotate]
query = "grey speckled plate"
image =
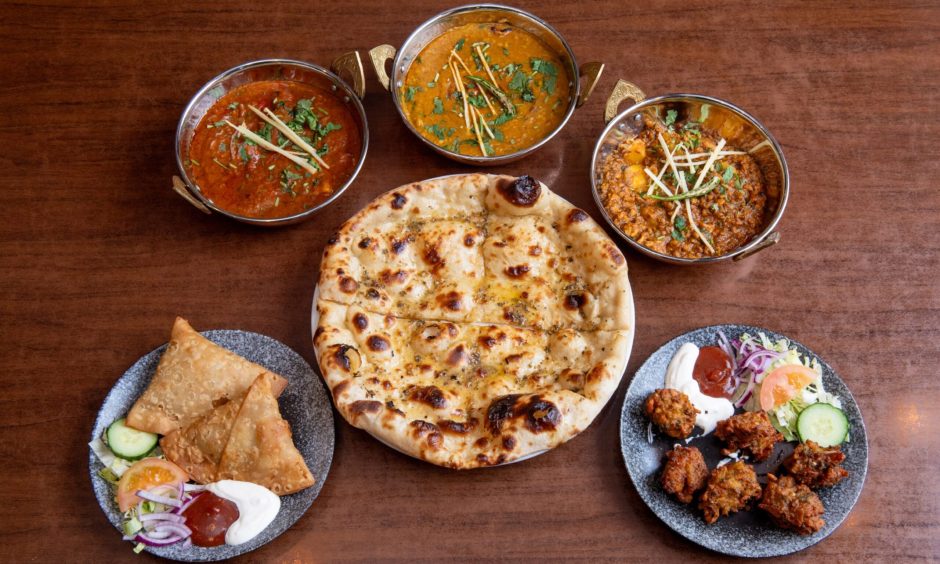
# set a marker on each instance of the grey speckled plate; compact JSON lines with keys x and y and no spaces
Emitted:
{"x":746,"y":533}
{"x":304,"y":404}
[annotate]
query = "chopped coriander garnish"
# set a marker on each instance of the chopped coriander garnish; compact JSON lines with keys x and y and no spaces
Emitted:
{"x":728,"y":175}
{"x":440,"y":132}
{"x":438,"y":106}
{"x":549,"y":72}
{"x":410,"y":92}
{"x":703,"y":113}
{"x":501,"y":119}
{"x":265,"y":132}
{"x":477,"y":101}
{"x":671,"y":116}
{"x":287,"y":180}
{"x":459,"y":45}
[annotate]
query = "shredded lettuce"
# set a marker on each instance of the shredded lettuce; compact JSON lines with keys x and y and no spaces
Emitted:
{"x":785,"y":417}
{"x":132,"y":526}
{"x":109,"y":476}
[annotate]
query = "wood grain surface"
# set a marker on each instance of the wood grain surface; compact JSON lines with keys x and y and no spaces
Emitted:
{"x":97,"y":256}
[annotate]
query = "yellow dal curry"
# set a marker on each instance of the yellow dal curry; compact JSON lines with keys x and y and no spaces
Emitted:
{"x":486,"y":89}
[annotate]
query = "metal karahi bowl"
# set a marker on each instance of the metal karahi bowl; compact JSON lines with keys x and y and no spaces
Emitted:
{"x":746,"y":133}
{"x":349,"y":65}
{"x":585,"y":76}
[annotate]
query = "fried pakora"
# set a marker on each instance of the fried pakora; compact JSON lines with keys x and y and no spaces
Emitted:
{"x":730,"y":488}
{"x":791,"y":505}
{"x":751,"y":432}
{"x":672,"y":412}
{"x":815,"y":466}
{"x":685,"y":473}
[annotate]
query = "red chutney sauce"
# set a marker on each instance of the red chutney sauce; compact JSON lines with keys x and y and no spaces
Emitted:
{"x":209,"y":517}
{"x":714,"y":373}
{"x":244,"y":178}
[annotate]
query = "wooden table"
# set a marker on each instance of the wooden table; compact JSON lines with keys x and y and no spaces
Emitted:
{"x":97,"y":256}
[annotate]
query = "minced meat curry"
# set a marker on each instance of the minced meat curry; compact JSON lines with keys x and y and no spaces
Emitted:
{"x":697,"y":213}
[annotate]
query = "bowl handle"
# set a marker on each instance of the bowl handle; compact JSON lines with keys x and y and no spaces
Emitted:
{"x":591,"y":74}
{"x":180,"y":188}
{"x":622,"y":90}
{"x":348,"y":66}
{"x":379,"y":56}
{"x":768,"y":242}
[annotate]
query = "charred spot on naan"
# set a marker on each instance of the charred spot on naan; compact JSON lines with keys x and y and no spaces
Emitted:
{"x":348,"y":285}
{"x":429,"y":431}
{"x":522,"y":192}
{"x":576,"y":215}
{"x":451,"y":301}
{"x":359,"y":407}
{"x":538,"y":415}
{"x":345,"y":357}
{"x":457,"y":427}
{"x":429,"y":395}
{"x":360,"y":322}
{"x":398,"y":200}
{"x":340,"y":389}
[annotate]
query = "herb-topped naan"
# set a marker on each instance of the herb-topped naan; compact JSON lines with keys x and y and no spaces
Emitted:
{"x":473,"y":319}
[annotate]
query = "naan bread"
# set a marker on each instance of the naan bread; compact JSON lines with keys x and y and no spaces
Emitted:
{"x":260,"y":448}
{"x":473,"y":319}
{"x":194,"y":376}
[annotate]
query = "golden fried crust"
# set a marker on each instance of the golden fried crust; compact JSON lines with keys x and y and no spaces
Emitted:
{"x":198,"y":447}
{"x":815,"y":466}
{"x":751,"y":432}
{"x":672,"y":412}
{"x":730,"y":488}
{"x":260,"y":448}
{"x":194,"y":376}
{"x":685,"y":473}
{"x":792,"y":506}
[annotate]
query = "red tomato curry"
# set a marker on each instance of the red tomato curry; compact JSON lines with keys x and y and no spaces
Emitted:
{"x":244,"y":178}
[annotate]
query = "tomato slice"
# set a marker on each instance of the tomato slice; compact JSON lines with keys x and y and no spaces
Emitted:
{"x":145,"y":474}
{"x":783,"y":384}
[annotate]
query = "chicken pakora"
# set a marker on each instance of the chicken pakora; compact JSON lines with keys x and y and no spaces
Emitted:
{"x":685,"y":473}
{"x":815,"y":466}
{"x":730,"y":488}
{"x":751,"y":432}
{"x":792,"y":506}
{"x":672,"y":412}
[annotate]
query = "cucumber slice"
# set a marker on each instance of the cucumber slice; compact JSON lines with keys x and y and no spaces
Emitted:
{"x":129,"y":443}
{"x":824,"y":424}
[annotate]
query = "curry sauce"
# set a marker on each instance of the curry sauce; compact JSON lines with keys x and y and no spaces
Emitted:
{"x":718,"y":205}
{"x":486,"y":89}
{"x":242,"y":177}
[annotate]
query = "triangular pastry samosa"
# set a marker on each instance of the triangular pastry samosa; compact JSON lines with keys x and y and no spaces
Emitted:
{"x":260,"y":448}
{"x":194,"y":376}
{"x":198,"y":448}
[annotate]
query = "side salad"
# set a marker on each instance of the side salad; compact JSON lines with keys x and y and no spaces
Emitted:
{"x":773,"y":377}
{"x":151,"y":491}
